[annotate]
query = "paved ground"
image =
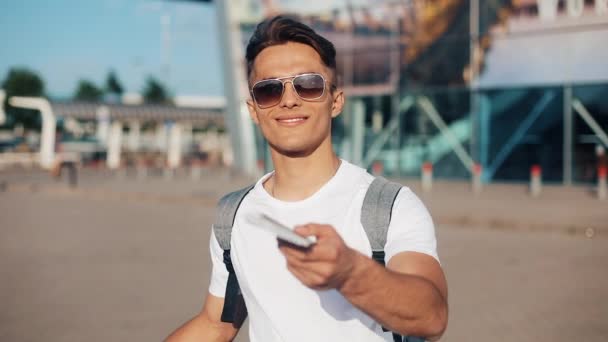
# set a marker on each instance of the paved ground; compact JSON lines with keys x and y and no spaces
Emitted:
{"x":124,"y":260}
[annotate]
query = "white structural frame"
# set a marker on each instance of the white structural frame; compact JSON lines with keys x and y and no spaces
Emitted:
{"x":2,"y":113}
{"x":114,"y":145}
{"x":134,"y":134}
{"x":49,"y":124}
{"x":174,"y":151}
{"x":103,"y":124}
{"x":239,"y":123}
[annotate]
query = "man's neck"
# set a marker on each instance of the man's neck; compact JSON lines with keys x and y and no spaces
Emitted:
{"x":296,"y":179}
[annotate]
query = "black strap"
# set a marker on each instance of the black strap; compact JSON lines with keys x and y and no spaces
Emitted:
{"x":378,"y":256}
{"x":232,"y":290}
{"x":234,"y":310}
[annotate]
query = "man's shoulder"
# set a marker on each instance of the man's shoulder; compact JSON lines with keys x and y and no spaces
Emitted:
{"x":241,"y":192}
{"x":234,"y":195}
{"x":353,"y":175}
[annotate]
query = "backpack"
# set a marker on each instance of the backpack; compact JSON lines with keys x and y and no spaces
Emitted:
{"x":375,"y":218}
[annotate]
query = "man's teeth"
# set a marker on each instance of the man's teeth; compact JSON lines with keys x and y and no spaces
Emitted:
{"x":292,"y":120}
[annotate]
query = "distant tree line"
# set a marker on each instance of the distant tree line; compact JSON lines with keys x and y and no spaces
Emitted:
{"x":26,"y":82}
{"x":87,"y":91}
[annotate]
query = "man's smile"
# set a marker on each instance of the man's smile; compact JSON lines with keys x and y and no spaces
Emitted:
{"x":291,"y":120}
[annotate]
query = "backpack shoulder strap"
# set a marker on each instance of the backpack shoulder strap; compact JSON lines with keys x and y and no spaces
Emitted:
{"x":225,"y":214}
{"x":234,"y":310}
{"x":376,"y":211}
{"x":375,"y":218}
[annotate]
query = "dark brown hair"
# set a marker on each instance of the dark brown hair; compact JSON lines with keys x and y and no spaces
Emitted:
{"x":280,"y":30}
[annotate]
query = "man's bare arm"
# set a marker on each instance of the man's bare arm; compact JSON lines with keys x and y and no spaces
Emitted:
{"x":408,"y":297}
{"x":207,"y":325}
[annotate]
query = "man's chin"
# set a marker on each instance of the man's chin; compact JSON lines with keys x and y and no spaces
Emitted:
{"x":293,"y":151}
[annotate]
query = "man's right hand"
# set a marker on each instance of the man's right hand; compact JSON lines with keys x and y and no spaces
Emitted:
{"x":207,"y":325}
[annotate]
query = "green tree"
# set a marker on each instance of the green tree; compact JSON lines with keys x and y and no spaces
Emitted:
{"x":22,"y":82}
{"x":87,"y":91}
{"x":113,"y":85}
{"x":155,"y":92}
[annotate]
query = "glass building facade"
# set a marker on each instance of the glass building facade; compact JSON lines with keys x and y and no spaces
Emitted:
{"x":521,"y":84}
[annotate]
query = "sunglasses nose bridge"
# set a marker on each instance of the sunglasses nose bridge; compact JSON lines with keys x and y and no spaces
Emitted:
{"x":293,"y":88}
{"x":289,"y":80}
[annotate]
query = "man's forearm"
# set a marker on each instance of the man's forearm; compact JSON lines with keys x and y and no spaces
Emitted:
{"x":407,"y":304}
{"x":200,"y":328}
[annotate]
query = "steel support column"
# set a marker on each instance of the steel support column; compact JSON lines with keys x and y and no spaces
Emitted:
{"x":568,"y":132}
{"x":235,"y":89}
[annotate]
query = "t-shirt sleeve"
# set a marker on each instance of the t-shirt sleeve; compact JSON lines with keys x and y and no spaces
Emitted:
{"x":219,"y":274}
{"x":411,"y":228}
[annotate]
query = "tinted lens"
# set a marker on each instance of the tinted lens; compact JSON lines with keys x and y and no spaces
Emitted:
{"x":309,"y":87}
{"x":268,"y":93}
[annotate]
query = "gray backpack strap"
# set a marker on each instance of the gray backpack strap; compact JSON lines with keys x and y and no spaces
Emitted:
{"x":234,"y":310}
{"x":376,"y":211}
{"x":375,"y":218}
{"x":225,"y":214}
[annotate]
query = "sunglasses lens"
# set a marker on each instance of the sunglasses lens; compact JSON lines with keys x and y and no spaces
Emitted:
{"x":268,"y":93}
{"x":309,"y":87}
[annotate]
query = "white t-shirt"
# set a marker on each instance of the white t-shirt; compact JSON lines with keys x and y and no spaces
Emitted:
{"x":280,"y":307}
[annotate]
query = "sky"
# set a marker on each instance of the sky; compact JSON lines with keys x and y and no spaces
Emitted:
{"x":65,"y":41}
{"x":68,"y":40}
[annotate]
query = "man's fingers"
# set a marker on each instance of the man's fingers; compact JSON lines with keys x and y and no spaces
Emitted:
{"x":308,"y":277}
{"x":318,"y":230}
{"x":293,"y":251}
{"x":318,"y":268}
{"x":289,"y":245}
{"x":321,"y":251}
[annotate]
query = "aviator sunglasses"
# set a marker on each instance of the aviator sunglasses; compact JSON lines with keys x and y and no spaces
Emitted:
{"x":268,"y":93}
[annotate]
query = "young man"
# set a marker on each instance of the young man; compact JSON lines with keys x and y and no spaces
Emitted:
{"x":332,"y":291}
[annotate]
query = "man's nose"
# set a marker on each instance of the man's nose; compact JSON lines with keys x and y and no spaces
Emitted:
{"x":290,"y":98}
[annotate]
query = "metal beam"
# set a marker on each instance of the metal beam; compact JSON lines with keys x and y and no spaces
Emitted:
{"x":595,"y":127}
{"x":568,"y":132}
{"x":473,"y":82}
{"x":358,"y":131}
{"x":427,"y":107}
{"x":485,"y":112}
{"x":396,"y":140}
{"x":235,"y":89}
{"x":521,"y":130}
{"x":387,"y":133}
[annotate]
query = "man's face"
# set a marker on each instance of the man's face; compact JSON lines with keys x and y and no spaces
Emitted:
{"x":294,"y":126}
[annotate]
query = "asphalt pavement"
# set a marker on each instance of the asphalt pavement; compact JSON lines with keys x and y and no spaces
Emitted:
{"x":125,"y":259}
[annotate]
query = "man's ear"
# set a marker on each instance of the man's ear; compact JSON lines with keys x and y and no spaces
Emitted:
{"x":252,"y":111}
{"x":337,"y":103}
